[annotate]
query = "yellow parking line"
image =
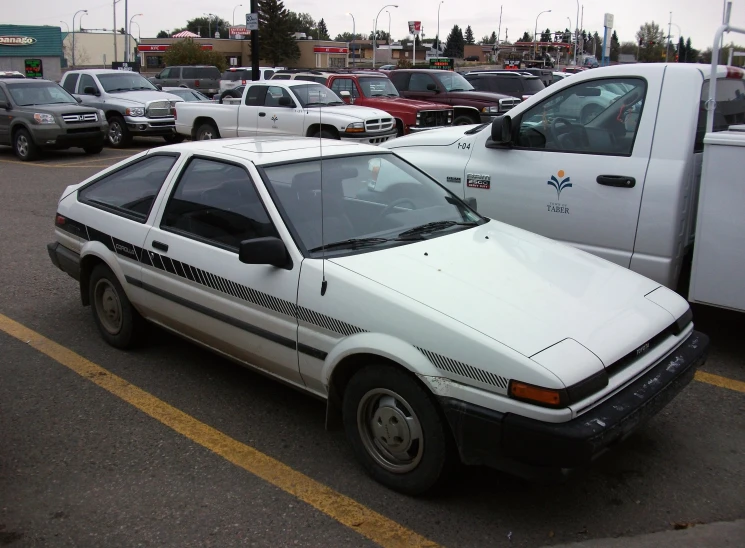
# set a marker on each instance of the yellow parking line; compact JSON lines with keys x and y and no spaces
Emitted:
{"x":343,"y":509}
{"x":722,"y":382}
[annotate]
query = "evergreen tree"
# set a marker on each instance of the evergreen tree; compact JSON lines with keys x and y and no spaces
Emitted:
{"x":681,"y":50}
{"x":691,"y":55}
{"x":493,"y":38}
{"x":484,"y":40}
{"x":455,"y":43}
{"x":302,"y":22}
{"x":323,"y":31}
{"x":546,"y":35}
{"x":615,"y":47}
{"x":275,"y":33}
{"x":469,"y":36}
{"x":526,"y":37}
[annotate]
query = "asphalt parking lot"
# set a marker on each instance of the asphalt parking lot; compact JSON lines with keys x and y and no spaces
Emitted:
{"x":172,"y":446}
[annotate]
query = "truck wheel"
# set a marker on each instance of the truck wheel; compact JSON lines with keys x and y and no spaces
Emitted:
{"x":173,"y":139}
{"x":93,"y":150}
{"x":206,"y":132}
{"x":396,"y":431}
{"x":463,"y":120}
{"x":24,"y":146}
{"x":119,"y":323}
{"x":119,"y":136}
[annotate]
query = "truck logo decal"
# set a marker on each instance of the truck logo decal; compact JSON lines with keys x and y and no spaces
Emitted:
{"x":559,"y":185}
{"x":274,"y":118}
{"x":453,"y":179}
{"x":474,"y":180}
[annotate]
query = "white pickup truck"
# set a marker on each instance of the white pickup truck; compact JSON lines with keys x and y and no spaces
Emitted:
{"x":286,"y":108}
{"x":621,"y":182}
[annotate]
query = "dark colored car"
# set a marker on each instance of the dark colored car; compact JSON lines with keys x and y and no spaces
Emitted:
{"x":546,"y":75}
{"x":202,"y":78}
{"x":39,"y":114}
{"x":472,"y":58}
{"x":450,"y":88}
{"x":507,"y":82}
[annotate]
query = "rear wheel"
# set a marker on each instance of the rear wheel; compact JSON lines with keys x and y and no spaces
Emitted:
{"x":119,"y":323}
{"x":119,"y":136}
{"x":24,"y":146}
{"x":173,"y":139}
{"x":206,"y":132}
{"x":396,"y":430}
{"x":463,"y":120}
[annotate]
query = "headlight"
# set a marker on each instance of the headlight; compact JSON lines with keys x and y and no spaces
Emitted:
{"x":490,"y":110}
{"x":356,"y":127}
{"x":42,"y":118}
{"x":137,"y":111}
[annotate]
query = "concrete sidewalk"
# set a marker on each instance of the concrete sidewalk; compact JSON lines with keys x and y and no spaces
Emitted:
{"x":713,"y":535}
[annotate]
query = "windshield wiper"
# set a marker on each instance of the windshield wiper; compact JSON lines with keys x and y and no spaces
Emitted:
{"x":118,"y":89}
{"x":435,"y":226}
{"x":351,"y":243}
{"x":315,"y":104}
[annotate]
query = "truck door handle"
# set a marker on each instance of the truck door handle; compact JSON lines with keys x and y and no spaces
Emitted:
{"x":262,"y":114}
{"x":160,"y":245}
{"x":616,"y":180}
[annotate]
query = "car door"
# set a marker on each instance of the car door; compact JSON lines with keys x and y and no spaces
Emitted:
{"x":277,"y":117}
{"x":418,"y":87}
{"x":5,"y":118}
{"x":89,"y":99}
{"x":248,"y":113}
{"x":339,"y":84}
{"x":579,"y":184}
{"x":199,"y":286}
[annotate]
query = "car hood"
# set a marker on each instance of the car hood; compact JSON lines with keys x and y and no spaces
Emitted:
{"x":406,"y":104}
{"x":143,"y":97}
{"x":481,"y":96}
{"x":435,"y":137}
{"x":352,"y":111}
{"x":521,"y":289}
{"x":60,"y":109}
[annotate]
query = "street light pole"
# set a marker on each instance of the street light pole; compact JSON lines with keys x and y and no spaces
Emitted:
{"x":535,"y":32}
{"x":73,"y":33}
{"x":354,"y":35}
{"x":667,"y":49}
{"x":576,"y":34}
{"x":437,"y":45}
{"x":238,"y":6}
{"x":375,"y":30}
{"x":389,"y":35}
{"x":128,"y":33}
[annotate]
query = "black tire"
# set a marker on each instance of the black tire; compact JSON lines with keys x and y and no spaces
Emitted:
{"x":207,"y":131}
{"x":326,"y":134}
{"x":117,"y":320}
{"x":24,"y":146}
{"x":428,"y":460}
{"x":463,"y":120}
{"x":93,"y":150}
{"x":118,"y":136}
{"x":173,"y":139}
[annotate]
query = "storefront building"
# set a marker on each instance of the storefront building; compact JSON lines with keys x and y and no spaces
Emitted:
{"x":35,"y":51}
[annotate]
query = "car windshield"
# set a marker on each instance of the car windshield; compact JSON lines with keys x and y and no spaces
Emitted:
{"x":316,"y":95}
{"x":233,"y":75}
{"x":124,"y":81}
{"x":378,"y":87}
{"x":370,"y":201}
{"x":452,"y":81}
{"x":187,"y":94}
{"x":39,"y":93}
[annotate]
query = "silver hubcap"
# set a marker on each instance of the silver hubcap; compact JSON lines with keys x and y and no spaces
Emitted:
{"x":115,"y":133}
{"x":22,"y":145}
{"x":108,"y":307}
{"x":206,"y":135}
{"x":390,"y":430}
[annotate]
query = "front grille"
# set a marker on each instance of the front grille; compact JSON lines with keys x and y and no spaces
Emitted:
{"x":158,"y":109}
{"x":631,"y":357}
{"x":79,"y":118}
{"x":162,"y":124}
{"x":434,"y":118}
{"x":507,"y":104}
{"x":380,"y":124}
{"x":378,"y":140}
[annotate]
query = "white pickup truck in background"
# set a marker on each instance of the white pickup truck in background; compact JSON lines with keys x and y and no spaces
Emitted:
{"x":624,"y":184}
{"x":286,"y":108}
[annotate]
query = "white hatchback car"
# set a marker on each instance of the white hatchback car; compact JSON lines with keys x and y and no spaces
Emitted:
{"x":431,"y":331}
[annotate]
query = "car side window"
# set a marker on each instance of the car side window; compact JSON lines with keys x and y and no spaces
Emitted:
{"x":70,"y":81}
{"x":166,"y":73}
{"x":419,"y":82}
{"x":267,"y":74}
{"x":344,"y":84}
{"x":282,"y":77}
{"x":3,"y":97}
{"x":730,"y":108}
{"x":255,"y":96}
{"x":595,"y":117}
{"x":217,"y":202}
{"x":274,"y":94}
{"x":86,"y":80}
{"x":131,"y":190}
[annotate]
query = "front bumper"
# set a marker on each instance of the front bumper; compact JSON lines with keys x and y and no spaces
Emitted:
{"x":530,"y":447}
{"x":141,"y":125}
{"x":55,"y":136}
{"x":368,"y":138}
{"x":64,"y":259}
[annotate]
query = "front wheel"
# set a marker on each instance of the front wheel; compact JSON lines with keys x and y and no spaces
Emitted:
{"x":396,"y":430}
{"x":24,"y":146}
{"x":463,"y":120}
{"x":207,"y":132}
{"x":119,"y":136}
{"x":173,"y":139}
{"x":119,"y":323}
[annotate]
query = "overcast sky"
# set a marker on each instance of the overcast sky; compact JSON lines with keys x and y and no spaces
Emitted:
{"x":691,"y":16}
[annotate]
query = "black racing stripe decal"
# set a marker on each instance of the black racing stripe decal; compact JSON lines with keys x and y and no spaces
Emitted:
{"x":125,"y":249}
{"x":312,"y":352}
{"x":464,"y":370}
{"x":73,"y":227}
{"x":98,"y":236}
{"x":327,"y":322}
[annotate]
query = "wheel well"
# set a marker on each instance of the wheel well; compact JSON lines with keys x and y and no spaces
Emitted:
{"x":203,"y":120}
{"x":471,"y":112}
{"x":111,"y":113}
{"x":317,"y":128}
{"x":400,"y":126}
{"x":87,"y":264}
{"x":15,"y":130}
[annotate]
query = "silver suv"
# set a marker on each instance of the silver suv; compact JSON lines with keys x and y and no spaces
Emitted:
{"x":133,"y":106}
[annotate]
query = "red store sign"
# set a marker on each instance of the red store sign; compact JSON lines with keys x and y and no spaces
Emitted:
{"x":144,"y":48}
{"x":326,"y":49}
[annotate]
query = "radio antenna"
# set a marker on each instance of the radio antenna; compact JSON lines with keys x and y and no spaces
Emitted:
{"x":324,"y":283}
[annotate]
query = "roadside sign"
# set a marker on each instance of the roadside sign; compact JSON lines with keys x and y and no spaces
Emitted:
{"x":34,"y":68}
{"x":252,"y":21}
{"x":131,"y":66}
{"x":442,"y":63}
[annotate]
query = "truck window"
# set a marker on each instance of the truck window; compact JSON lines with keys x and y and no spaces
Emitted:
{"x":595,"y":117}
{"x":274,"y":94}
{"x":255,"y":96}
{"x":86,"y":80}
{"x":344,"y":84}
{"x":419,"y":82}
{"x":730,"y":108}
{"x":69,"y":83}
{"x":400,"y":80}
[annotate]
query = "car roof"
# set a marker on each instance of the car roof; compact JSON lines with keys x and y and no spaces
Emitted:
{"x":271,"y":150}
{"x":96,"y":71}
{"x":290,"y":83}
{"x":504,"y":73}
{"x":28,"y":81}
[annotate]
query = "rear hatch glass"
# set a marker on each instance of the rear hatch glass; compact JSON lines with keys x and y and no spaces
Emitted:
{"x":200,"y":73}
{"x":533,"y":85}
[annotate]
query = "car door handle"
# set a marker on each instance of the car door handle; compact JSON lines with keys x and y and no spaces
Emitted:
{"x":160,"y":245}
{"x":262,"y":114}
{"x":616,"y":180}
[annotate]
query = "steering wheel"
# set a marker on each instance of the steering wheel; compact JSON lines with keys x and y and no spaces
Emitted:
{"x":566,"y":126}
{"x":390,"y":207}
{"x":568,"y":134}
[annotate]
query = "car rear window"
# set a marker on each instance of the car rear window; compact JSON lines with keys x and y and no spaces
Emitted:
{"x":533,"y":85}
{"x":233,"y":75}
{"x":316,"y":79}
{"x":70,"y":81}
{"x":196,"y":73}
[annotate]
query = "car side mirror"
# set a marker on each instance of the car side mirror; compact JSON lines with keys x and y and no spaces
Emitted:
{"x":78,"y":99}
{"x":267,"y":251}
{"x":5,"y":105}
{"x":346,"y":96}
{"x":501,"y":131}
{"x":160,"y":88}
{"x":286,"y":102}
{"x":431,"y":87}
{"x":90,"y":90}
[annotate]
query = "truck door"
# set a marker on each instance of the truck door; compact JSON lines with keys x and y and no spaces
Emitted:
{"x":574,"y":174}
{"x":253,"y":100}
{"x":281,"y":114}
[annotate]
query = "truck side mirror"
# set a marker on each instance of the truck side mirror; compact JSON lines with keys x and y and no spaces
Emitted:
{"x":286,"y":102}
{"x":346,"y":96}
{"x":5,"y":105}
{"x":501,"y":130}
{"x":90,"y":90}
{"x":431,"y":87}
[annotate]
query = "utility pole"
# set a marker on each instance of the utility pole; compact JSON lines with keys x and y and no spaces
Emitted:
{"x":255,"y":72}
{"x":126,"y":31}
{"x":669,"y":25}
{"x":499,"y":29}
{"x":114,"y":28}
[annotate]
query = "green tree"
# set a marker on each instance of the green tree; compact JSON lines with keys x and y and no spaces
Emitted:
{"x":546,"y":36}
{"x":691,"y":55}
{"x":485,"y":40}
{"x":275,"y":33}
{"x":162,"y":34}
{"x":348,"y":37}
{"x":455,"y":42}
{"x":629,"y":48}
{"x":681,"y":50}
{"x":323,"y":31}
{"x":615,"y":47}
{"x":469,"y":36}
{"x":381,"y":36}
{"x":188,"y":52}
{"x":493,"y":38}
{"x":652,"y":40}
{"x":204,"y":25}
{"x":301,"y":22}
{"x":527,"y":37}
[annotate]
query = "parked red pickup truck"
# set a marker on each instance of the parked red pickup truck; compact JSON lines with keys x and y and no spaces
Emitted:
{"x":375,"y":90}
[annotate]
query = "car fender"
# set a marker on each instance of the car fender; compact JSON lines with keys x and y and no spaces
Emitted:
{"x":99,"y":250}
{"x":20,"y":122}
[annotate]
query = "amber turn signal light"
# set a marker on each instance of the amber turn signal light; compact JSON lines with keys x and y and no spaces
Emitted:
{"x":538,"y":395}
